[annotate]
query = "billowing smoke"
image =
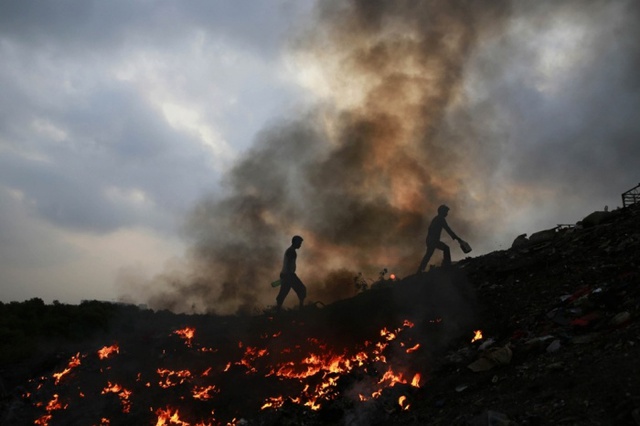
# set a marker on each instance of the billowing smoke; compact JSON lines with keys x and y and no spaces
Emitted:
{"x":397,"y":132}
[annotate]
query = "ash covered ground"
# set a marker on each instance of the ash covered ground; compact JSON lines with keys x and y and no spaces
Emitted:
{"x":560,"y":344}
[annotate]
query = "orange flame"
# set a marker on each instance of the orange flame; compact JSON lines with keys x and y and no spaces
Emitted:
{"x":392,"y":378}
{"x":52,"y":405}
{"x":74,"y":362}
{"x":416,"y":380}
{"x":44,"y":420}
{"x":167,"y":417}
{"x":413,"y":348}
{"x":203,"y":393}
{"x":187,"y":334}
{"x":273,"y":402}
{"x":402,"y":402}
{"x":107,"y":351}
{"x":122,"y":393}
{"x":477,"y":336}
{"x":170,"y":377}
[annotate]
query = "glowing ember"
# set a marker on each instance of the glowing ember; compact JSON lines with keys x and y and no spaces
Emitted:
{"x":44,"y":420}
{"x":309,"y":371}
{"x":392,"y":378}
{"x":172,"y":378}
{"x":389,"y":335}
{"x":402,"y":402}
{"x":204,"y":392}
{"x":107,"y":351}
{"x":168,"y":417}
{"x":413,"y":348}
{"x":274,"y":402}
{"x":122,"y":393}
{"x":52,"y":405}
{"x":477,"y":336}
{"x":75,"y":361}
{"x":250,"y":355}
{"x":187,"y":334}
{"x":415,"y":382}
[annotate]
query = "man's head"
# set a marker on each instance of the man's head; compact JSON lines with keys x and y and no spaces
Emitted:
{"x":443,"y":210}
{"x":296,"y":241}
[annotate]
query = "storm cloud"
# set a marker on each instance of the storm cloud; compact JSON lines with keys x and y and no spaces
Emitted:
{"x":114,"y":120}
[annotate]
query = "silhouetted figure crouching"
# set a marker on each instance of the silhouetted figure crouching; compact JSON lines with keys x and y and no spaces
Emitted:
{"x":288,"y":278}
{"x":438,"y":223}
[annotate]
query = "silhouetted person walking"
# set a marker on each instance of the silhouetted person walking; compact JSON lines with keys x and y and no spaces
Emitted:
{"x":288,"y":278}
{"x":433,"y":238}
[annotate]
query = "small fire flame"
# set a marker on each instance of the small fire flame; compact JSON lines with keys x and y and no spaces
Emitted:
{"x":122,"y":393}
{"x":107,"y":351}
{"x":273,"y":402}
{"x":204,"y":392}
{"x":168,"y":417}
{"x":172,"y":378}
{"x":187,"y":334}
{"x":415,"y":382}
{"x":402,"y":402}
{"x":477,"y":336}
{"x":53,"y":405}
{"x":75,"y":361}
{"x":413,"y":348}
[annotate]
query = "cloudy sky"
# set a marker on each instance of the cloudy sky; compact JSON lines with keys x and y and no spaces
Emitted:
{"x":165,"y":152}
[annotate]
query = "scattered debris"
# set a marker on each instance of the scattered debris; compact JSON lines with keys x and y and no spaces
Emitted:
{"x":492,"y":358}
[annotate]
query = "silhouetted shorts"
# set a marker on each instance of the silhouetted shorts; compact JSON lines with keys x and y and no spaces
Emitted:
{"x":431,"y":247}
{"x":288,"y":282}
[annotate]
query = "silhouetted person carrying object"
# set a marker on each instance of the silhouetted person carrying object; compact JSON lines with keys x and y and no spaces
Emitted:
{"x":433,"y":238}
{"x":288,"y":278}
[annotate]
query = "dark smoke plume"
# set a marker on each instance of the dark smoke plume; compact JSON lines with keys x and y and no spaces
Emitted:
{"x":359,"y":181}
{"x":361,"y":175}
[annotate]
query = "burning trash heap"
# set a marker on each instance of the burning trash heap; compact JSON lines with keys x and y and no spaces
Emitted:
{"x":545,"y":332}
{"x":179,"y":379}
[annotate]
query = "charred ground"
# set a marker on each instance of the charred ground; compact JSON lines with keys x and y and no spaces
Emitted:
{"x":560,"y":345}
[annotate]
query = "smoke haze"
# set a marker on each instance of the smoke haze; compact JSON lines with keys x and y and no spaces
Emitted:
{"x":492,"y":108}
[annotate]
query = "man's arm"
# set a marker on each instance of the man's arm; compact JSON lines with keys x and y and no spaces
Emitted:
{"x":445,"y":225}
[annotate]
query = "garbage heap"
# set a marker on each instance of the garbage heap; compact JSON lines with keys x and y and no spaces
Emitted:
{"x":561,"y":336}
